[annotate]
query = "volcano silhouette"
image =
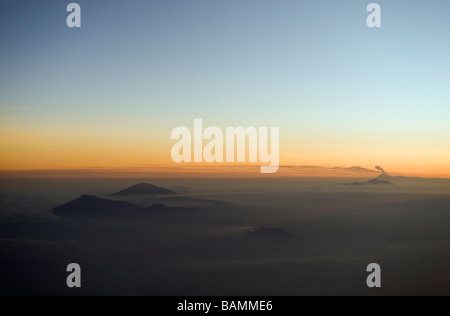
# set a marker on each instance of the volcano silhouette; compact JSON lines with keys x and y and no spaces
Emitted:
{"x":89,"y":206}
{"x":144,"y":189}
{"x":377,"y":181}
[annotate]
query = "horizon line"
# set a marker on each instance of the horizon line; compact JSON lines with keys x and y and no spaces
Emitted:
{"x":207,"y":172}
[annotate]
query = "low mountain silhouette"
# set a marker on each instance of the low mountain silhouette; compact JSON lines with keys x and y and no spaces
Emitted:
{"x":371,"y":182}
{"x":385,"y":177}
{"x":88,"y":206}
{"x":267,"y":232}
{"x":144,"y":189}
{"x":258,"y":232}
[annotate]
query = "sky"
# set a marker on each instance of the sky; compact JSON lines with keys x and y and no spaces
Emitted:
{"x":108,"y":95}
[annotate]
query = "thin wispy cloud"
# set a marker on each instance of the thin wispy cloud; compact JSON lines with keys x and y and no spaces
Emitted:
{"x":349,"y":169}
{"x":380,"y":169}
{"x":15,"y":108}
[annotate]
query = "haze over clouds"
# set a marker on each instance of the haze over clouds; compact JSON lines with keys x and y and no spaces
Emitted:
{"x":229,"y":237}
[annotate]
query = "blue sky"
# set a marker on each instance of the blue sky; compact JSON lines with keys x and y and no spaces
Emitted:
{"x":205,"y":56}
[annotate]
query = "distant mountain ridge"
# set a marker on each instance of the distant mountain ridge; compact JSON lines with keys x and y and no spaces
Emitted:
{"x":258,"y":232}
{"x":144,"y":189}
{"x":387,"y":177}
{"x":371,"y":182}
{"x":267,"y":232}
{"x":89,"y":206}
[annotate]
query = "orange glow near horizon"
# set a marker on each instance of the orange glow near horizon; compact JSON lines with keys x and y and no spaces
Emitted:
{"x":35,"y":155}
{"x":206,"y":171}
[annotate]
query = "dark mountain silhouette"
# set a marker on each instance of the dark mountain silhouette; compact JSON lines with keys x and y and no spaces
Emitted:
{"x":88,"y":206}
{"x":371,"y":182}
{"x":144,"y":189}
{"x":258,"y":232}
